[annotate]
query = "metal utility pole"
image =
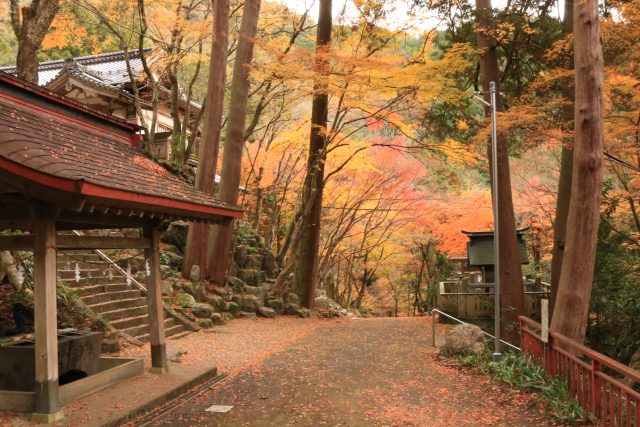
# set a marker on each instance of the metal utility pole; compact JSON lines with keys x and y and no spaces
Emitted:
{"x":497,"y":355}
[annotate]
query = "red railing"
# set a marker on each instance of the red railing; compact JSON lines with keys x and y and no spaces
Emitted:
{"x":602,"y":386}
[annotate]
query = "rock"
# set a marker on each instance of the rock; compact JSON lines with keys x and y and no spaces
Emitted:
{"x":111,"y":345}
{"x":131,"y":232}
{"x":186,"y":312}
{"x":217,"y":319}
{"x":227,"y":316}
{"x":202,"y":310}
{"x":194,"y":275}
{"x":292,"y":298}
{"x":250,"y":276}
{"x":197,"y":290}
{"x":176,"y":234}
{"x":276,"y":304}
{"x":321,"y":293}
{"x":303,"y":312}
{"x":465,"y":339}
{"x":291,"y":309}
{"x":204,"y":323}
{"x":269,"y":264}
{"x":232,"y":307}
{"x":236,"y":284}
{"x":258,"y":291}
{"x":172,"y":259}
{"x":323,"y":302}
{"x":223,"y":292}
{"x":167,"y":287}
{"x":216,"y":301}
{"x":267,"y":312}
{"x":355,"y":312}
{"x":240,"y":255}
{"x":165,"y":272}
{"x":246,"y":315}
{"x":249,"y":303}
{"x":254,"y":262}
{"x":185,"y":300}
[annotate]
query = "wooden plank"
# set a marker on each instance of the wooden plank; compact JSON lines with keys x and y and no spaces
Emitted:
{"x":19,"y":242}
{"x":154,"y":297}
{"x":46,"y":341}
{"x":101,"y":242}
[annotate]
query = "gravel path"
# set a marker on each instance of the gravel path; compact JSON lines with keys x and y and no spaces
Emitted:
{"x":362,"y":372}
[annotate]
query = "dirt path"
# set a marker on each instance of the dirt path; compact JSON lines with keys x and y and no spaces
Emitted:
{"x":373,"y":372}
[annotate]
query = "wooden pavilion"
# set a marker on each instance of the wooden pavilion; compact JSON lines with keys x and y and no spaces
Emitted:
{"x":66,"y":167}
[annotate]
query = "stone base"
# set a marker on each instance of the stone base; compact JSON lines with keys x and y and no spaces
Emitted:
{"x":47,"y":418}
{"x":160,"y":371}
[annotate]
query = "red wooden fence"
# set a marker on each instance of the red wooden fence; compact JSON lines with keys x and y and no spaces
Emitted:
{"x":602,"y":386}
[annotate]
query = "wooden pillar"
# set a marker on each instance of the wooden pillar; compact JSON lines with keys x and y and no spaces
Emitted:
{"x":46,"y":332}
{"x":154,"y":297}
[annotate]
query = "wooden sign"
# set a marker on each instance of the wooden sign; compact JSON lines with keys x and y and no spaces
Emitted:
{"x":544,"y":319}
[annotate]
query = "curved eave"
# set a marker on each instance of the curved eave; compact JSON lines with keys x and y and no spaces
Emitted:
{"x":116,"y":198}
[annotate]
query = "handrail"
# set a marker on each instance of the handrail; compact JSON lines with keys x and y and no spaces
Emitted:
{"x":435,"y":310}
{"x":186,"y":322}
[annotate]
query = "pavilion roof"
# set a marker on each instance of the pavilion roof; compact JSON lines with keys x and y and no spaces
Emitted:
{"x":59,"y":145}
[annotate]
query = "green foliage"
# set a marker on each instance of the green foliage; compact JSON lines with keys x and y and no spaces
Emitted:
{"x":517,"y":370}
{"x":614,"y":327}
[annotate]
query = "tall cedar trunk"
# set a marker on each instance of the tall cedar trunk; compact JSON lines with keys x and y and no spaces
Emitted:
{"x":197,"y":239}
{"x":566,"y":169}
{"x":511,"y":286}
{"x":307,"y":257}
{"x":30,"y":25}
{"x":576,"y":278}
{"x":222,"y":235}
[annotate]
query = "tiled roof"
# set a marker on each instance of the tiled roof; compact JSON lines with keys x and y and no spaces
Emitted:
{"x":60,"y":146}
{"x":110,"y":67}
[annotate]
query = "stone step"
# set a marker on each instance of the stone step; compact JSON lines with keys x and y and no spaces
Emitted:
{"x":85,"y":280}
{"x":130,"y":322}
{"x":124,"y":313}
{"x":106,"y":296}
{"x":119,"y":304}
{"x":72,"y":258}
{"x":87,"y":272}
{"x":168,"y":332}
{"x":98,"y":289}
{"x":179,"y":335}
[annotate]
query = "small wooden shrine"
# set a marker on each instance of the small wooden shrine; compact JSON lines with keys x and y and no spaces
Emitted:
{"x":66,"y":167}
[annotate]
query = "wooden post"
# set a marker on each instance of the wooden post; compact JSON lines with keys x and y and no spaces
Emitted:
{"x":154,"y":297}
{"x":46,"y":332}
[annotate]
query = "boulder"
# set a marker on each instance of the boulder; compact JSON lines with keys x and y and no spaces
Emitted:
{"x":204,"y":323}
{"x":223,"y":292}
{"x":232,"y":307}
{"x":194,"y":274}
{"x":236,"y":284}
{"x":165,"y":272}
{"x":251,"y":277}
{"x":292,"y":298}
{"x":202,"y":310}
{"x":216,"y":301}
{"x":240,"y":255}
{"x":465,"y":339}
{"x":321,"y":293}
{"x":186,"y":312}
{"x":254,"y":262}
{"x":197,"y":290}
{"x":217,"y":319}
{"x":246,"y":315}
{"x":176,"y":234}
{"x":249,"y":303}
{"x":267,"y":312}
{"x":291,"y":309}
{"x":276,"y":304}
{"x":167,"y":287}
{"x":258,"y":291}
{"x":303,"y":312}
{"x":227,"y":316}
{"x":172,"y":259}
{"x":185,"y":300}
{"x":323,"y":302}
{"x":111,"y":345}
{"x":270,"y":264}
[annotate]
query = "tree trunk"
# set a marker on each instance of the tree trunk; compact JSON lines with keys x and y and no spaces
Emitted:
{"x":307,"y":256}
{"x":30,"y":25}
{"x":197,"y":239}
{"x":576,"y":278}
{"x":511,"y":286}
{"x":566,"y":168}
{"x":222,"y":235}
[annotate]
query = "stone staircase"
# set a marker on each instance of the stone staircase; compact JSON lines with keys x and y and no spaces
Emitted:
{"x":105,"y":291}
